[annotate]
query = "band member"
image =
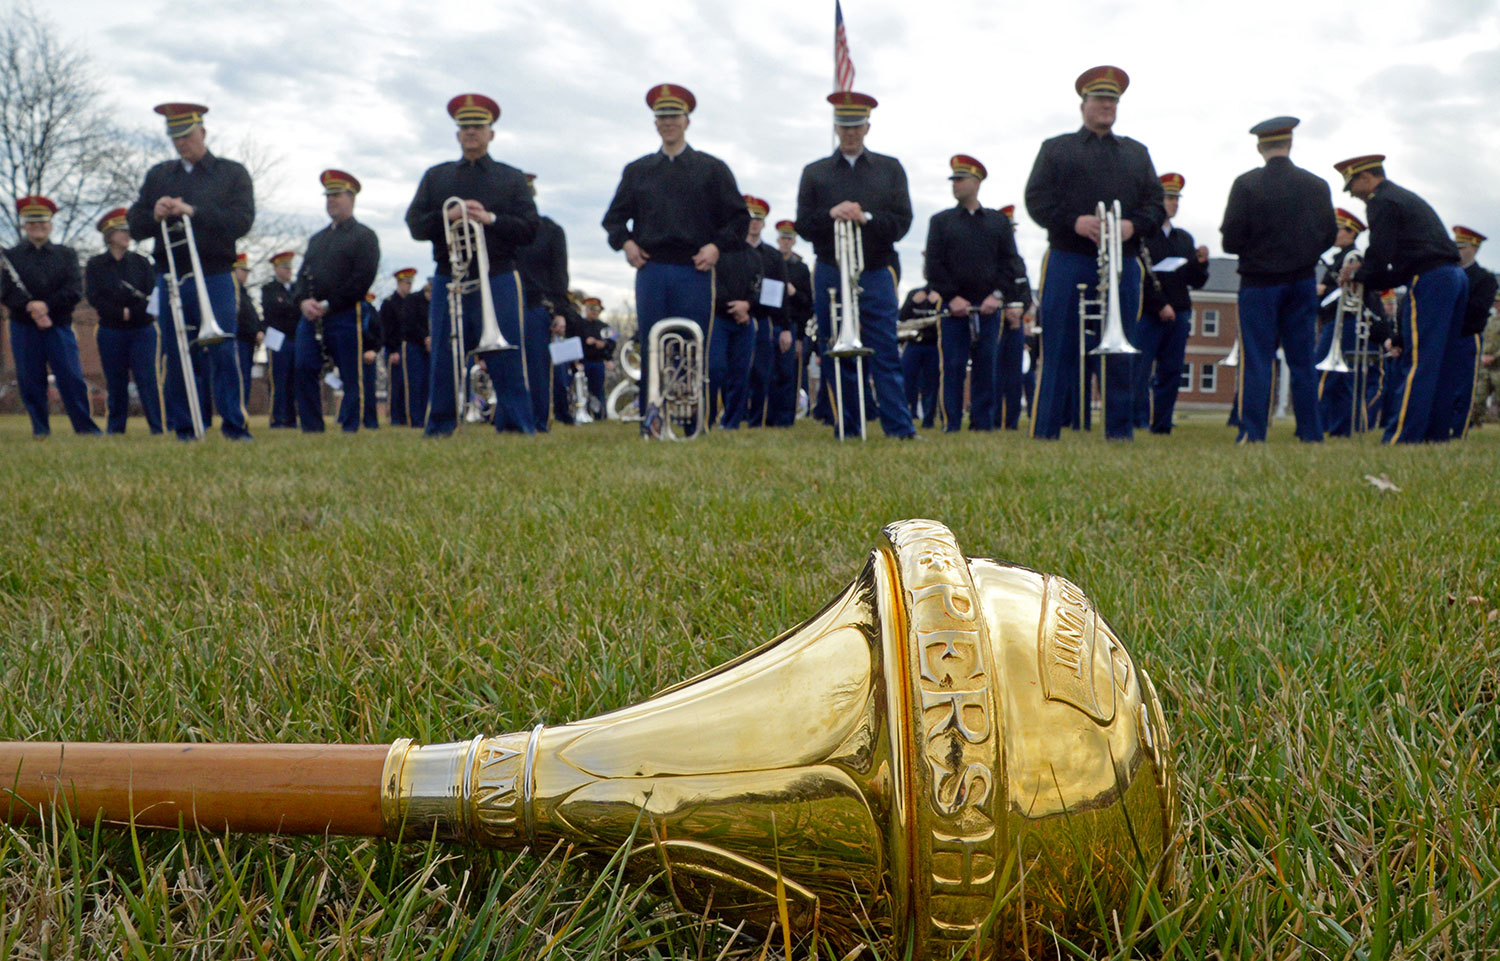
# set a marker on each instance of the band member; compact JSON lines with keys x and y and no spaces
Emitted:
{"x":337,"y":270}
{"x":117,"y":284}
{"x":40,"y":286}
{"x":867,"y":189}
{"x":1482,"y":289}
{"x":772,"y":337}
{"x":1073,"y":173}
{"x":1408,"y":245}
{"x":280,"y":313}
{"x":598,"y":353}
{"x":217,"y":194}
{"x":371,"y":337}
{"x":250,"y":332}
{"x":1336,"y":408}
{"x":1010,"y":363}
{"x":731,"y":334}
{"x":921,"y":361}
{"x":1174,"y":264}
{"x":393,"y":339}
{"x":544,"y":278}
{"x":675,"y":211}
{"x":790,"y":370}
{"x":416,"y":331}
{"x":973,"y":263}
{"x":1279,"y":220}
{"x":499,"y":203}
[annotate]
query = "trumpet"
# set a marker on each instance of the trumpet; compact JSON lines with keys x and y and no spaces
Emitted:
{"x":676,"y":389}
{"x":209,"y":331}
{"x":1104,"y":306}
{"x":466,"y":245}
{"x":843,"y":305}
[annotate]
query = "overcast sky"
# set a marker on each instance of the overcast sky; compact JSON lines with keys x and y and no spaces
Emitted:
{"x":363,"y":86}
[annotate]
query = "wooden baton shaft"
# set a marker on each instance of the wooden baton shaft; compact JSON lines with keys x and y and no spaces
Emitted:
{"x":254,"y":788}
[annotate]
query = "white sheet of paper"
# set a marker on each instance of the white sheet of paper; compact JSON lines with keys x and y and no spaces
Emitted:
{"x":274,"y":339}
{"x":771,"y":292}
{"x":1168,"y":264}
{"x":566,"y":350}
{"x":1332,"y":296}
{"x":332,"y":380}
{"x":153,"y":303}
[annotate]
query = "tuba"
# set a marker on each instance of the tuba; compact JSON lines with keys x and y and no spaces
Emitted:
{"x":466,"y":246}
{"x":676,"y":387}
{"x":843,"y":305}
{"x":954,"y":757}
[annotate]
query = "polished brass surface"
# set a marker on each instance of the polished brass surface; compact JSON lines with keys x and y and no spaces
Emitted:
{"x":953,"y":752}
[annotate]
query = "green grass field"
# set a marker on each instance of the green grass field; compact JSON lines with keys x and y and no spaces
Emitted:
{"x":1328,"y":656}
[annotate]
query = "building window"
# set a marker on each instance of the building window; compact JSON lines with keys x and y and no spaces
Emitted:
{"x":1186,"y":382}
{"x":1210,"y":380}
{"x":1210,"y":323}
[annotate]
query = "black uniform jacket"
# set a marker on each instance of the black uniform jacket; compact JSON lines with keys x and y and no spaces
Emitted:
{"x":1074,"y":172}
{"x":544,"y":265}
{"x":50,"y":273}
{"x":223,"y":201}
{"x":110,"y":286}
{"x":738,"y":277}
{"x":1482,"y":287}
{"x":799,"y":302}
{"x":1171,"y":286}
{"x":339,"y":265}
{"x":1406,"y":238}
{"x":247,"y":321}
{"x":278,"y":308}
{"x":673,"y":206}
{"x":972,"y":255}
{"x":499,"y":187}
{"x":1279,"y":220}
{"x":910,"y":310}
{"x":874,"y":181}
{"x":772,"y":267}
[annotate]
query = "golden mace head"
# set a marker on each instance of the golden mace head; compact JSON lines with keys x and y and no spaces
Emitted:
{"x":954,"y":753}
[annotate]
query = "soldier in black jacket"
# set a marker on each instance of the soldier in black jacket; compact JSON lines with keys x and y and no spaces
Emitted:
{"x":867,"y":189}
{"x":370,"y":338}
{"x":730,"y":337}
{"x":1173,"y":265}
{"x":1409,"y":246}
{"x":1279,"y":220}
{"x":1482,"y":287}
{"x":337,"y":271}
{"x":1010,"y":369}
{"x":1073,"y":173}
{"x":39,"y":285}
{"x":676,"y":211}
{"x":770,"y":322}
{"x":794,"y":346}
{"x":544,"y":277}
{"x":498,"y":201}
{"x":973,"y":263}
{"x":280,"y":313}
{"x":416,"y":327}
{"x":117,"y":283}
{"x":218,"y":196}
{"x":1336,"y":407}
{"x":921,"y":362}
{"x":250,"y":331}
{"x":393,"y":334}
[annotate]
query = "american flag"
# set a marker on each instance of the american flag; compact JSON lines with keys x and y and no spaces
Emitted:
{"x":843,"y":67}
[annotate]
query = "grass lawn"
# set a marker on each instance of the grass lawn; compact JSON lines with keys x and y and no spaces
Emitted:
{"x":1328,"y":655}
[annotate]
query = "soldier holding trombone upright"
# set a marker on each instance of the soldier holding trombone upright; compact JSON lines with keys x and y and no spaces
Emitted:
{"x":196,"y":207}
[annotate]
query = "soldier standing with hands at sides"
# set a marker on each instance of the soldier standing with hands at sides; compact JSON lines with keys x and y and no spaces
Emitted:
{"x":1408,"y":245}
{"x":1482,"y":288}
{"x":337,"y":270}
{"x":218,"y":196}
{"x":39,"y":285}
{"x":391,"y":330}
{"x":674,"y":213}
{"x":117,"y":284}
{"x":1279,"y":220}
{"x":1167,"y":312}
{"x":870,"y":190}
{"x":1073,"y":173}
{"x":499,"y":203}
{"x":790,"y":367}
{"x":544,"y":277}
{"x":1010,"y":383}
{"x":249,"y":330}
{"x":280,"y":314}
{"x":772,"y":338}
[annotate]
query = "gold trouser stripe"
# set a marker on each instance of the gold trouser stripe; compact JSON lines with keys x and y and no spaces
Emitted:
{"x":1463,"y":431}
{"x":1411,"y":372}
{"x":359,"y":360}
{"x":405,"y":384}
{"x":1041,"y":345}
{"x":942,"y":392}
{"x":239,"y":373}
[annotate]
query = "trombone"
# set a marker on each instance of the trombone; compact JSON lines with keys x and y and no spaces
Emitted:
{"x":1103,"y":307}
{"x":466,"y":245}
{"x":849,"y":251}
{"x":209,"y":331}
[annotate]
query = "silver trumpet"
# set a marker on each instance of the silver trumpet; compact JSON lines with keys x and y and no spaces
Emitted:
{"x":1351,"y":301}
{"x":209,"y":331}
{"x":466,"y":246}
{"x":676,"y":393}
{"x":843,"y":305}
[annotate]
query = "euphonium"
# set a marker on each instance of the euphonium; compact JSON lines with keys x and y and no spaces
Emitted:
{"x":676,"y":385}
{"x":954,"y":754}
